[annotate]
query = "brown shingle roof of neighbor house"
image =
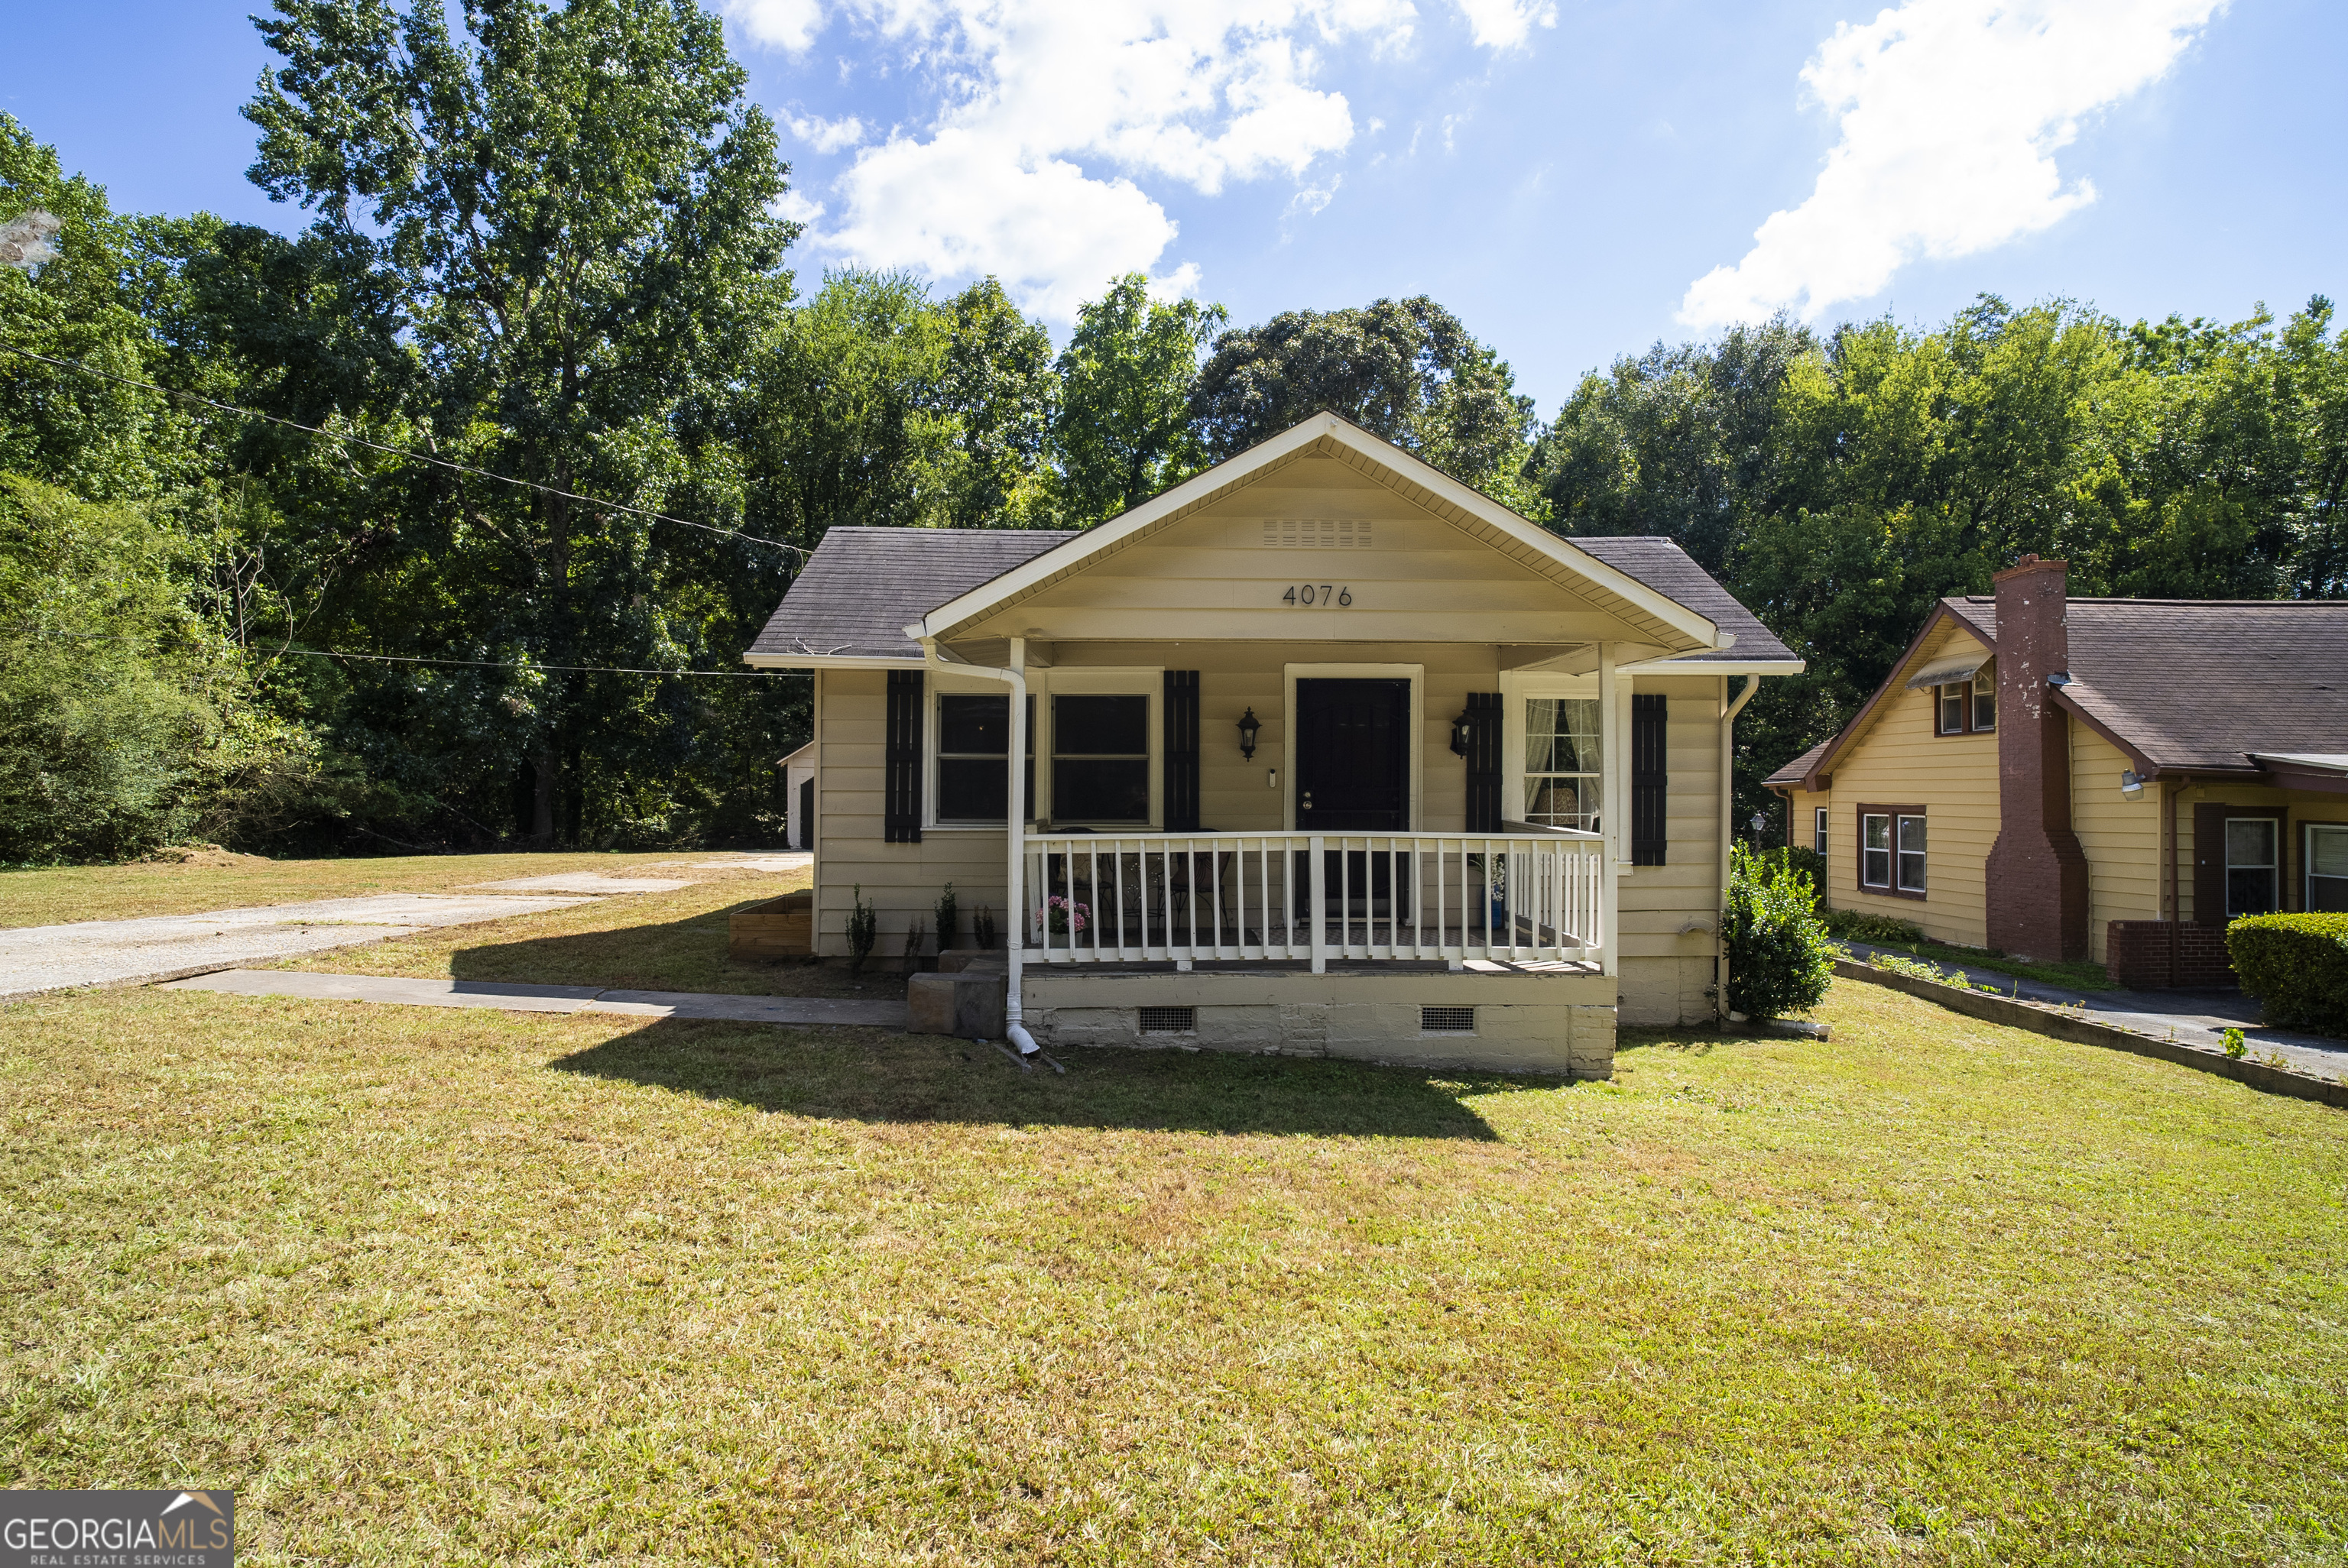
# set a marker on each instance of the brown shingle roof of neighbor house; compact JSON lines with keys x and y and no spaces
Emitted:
{"x":1791,"y":775}
{"x":863,"y":586}
{"x":2188,"y":685}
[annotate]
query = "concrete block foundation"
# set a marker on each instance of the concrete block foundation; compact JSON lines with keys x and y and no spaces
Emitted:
{"x":1560,"y":1023}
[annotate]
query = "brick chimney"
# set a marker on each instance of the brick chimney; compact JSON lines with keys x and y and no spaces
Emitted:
{"x":2037,"y":874}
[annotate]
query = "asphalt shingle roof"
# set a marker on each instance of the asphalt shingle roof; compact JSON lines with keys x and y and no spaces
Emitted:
{"x":2200,"y":684}
{"x":1794,"y":773}
{"x":863,"y":586}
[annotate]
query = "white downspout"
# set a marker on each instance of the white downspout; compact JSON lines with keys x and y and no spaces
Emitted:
{"x":1015,"y":930}
{"x":1727,"y":830}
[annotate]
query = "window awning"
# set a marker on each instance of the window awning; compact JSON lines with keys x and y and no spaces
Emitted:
{"x":1949,"y":672}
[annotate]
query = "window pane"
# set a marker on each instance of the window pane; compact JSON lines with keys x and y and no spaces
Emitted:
{"x":2250,"y":892}
{"x":1985,"y":702}
{"x":1912,"y":835}
{"x":1952,"y":710}
{"x":1819,"y":830}
{"x":973,"y":789}
{"x":1100,"y":726}
{"x":1100,"y":790}
{"x":1879,"y":832}
{"x":1562,"y":803}
{"x":1875,"y":869}
{"x":2249,"y":841}
{"x":2327,"y":851}
{"x":974,"y":726}
{"x":1561,"y":735}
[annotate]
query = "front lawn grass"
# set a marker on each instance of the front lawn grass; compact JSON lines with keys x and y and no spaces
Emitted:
{"x":641,"y":942}
{"x":1976,"y":961}
{"x":433,"y":1287}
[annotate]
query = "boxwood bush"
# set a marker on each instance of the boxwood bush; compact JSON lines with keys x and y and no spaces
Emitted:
{"x":2297,"y":965}
{"x":1779,"y":961}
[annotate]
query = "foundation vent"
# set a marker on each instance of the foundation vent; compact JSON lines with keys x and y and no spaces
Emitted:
{"x":1317,"y":533}
{"x":1169,"y":1020}
{"x":1446,"y":1020}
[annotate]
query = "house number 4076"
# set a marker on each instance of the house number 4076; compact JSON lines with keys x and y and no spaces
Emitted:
{"x":1307,"y":593}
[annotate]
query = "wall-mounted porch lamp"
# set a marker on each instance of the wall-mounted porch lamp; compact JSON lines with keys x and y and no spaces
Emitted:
{"x":2131,"y":787}
{"x":1248,"y":727}
{"x":1460,"y":735}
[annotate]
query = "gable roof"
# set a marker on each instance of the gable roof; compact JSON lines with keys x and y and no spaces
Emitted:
{"x":1793,"y":774}
{"x":862,"y":587}
{"x":1675,"y":627}
{"x":2179,"y":685}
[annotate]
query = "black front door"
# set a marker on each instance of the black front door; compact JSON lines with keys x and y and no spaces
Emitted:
{"x":1352,"y":756}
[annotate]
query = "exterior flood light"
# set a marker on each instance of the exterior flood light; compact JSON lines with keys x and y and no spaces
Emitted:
{"x":1248,"y":727}
{"x":2130,"y":785}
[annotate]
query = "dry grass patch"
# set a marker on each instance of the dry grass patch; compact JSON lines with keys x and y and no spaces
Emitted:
{"x":458,"y":1288}
{"x":648,"y":941}
{"x":211,"y":880}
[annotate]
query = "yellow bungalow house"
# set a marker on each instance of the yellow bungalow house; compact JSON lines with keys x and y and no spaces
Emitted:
{"x":2100,"y":779}
{"x":1319,"y":752}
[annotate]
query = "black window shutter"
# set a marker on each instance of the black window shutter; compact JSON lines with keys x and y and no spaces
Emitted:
{"x":1483,"y":761}
{"x":1649,"y":721}
{"x":900,"y":810}
{"x":1181,"y":751}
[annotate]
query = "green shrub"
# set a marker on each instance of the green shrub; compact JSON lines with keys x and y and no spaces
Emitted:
{"x":1808,"y":863}
{"x":1779,"y":961}
{"x":864,"y":930}
{"x":948,"y":910}
{"x":2297,"y":965}
{"x":1858,"y":925}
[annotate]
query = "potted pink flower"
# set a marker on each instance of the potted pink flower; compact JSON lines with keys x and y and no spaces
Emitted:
{"x":1063,"y":916}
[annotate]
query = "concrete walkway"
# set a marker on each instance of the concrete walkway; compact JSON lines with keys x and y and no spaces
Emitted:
{"x":549,"y":999}
{"x":2197,"y":1018}
{"x":38,"y":959}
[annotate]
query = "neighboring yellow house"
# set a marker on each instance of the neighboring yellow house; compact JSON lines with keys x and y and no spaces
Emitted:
{"x":1321,"y":751}
{"x":2092,"y":778}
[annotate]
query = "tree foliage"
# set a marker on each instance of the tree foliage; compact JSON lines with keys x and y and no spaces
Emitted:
{"x":1403,"y":369}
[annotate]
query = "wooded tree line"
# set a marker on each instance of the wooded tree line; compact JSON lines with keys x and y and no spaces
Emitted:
{"x":542,"y":247}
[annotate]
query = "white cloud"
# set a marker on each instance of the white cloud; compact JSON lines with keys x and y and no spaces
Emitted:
{"x":1952,"y":112}
{"x":1051,"y":110}
{"x":1310,"y":201}
{"x":796,"y":206}
{"x":787,"y":24}
{"x":1504,"y":24}
{"x":828,"y":135}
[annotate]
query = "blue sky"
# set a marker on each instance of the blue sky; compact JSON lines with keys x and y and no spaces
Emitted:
{"x":1574,"y":181}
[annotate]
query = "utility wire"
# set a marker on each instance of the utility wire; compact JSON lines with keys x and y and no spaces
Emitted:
{"x":400,"y":451}
{"x":466,"y":664}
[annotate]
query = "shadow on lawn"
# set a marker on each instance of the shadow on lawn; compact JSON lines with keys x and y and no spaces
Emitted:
{"x":869,"y":1076}
{"x":683,"y":954}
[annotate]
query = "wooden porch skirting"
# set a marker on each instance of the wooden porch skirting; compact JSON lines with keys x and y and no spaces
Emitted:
{"x":1493,"y":1018}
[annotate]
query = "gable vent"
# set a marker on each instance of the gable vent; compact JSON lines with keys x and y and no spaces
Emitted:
{"x":1326,"y":533}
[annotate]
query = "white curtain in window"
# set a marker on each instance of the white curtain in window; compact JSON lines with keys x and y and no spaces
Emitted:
{"x":1564,"y":770}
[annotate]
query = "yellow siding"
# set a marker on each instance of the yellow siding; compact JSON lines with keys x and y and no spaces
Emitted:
{"x":1214,"y":576}
{"x":2121,"y":838}
{"x":1900,"y":762}
{"x":2299,"y":806}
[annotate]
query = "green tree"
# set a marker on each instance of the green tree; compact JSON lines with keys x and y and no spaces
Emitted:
{"x":1123,"y":431}
{"x":573,"y":206}
{"x":1403,"y":369}
{"x":1001,"y":392}
{"x":128,"y":716}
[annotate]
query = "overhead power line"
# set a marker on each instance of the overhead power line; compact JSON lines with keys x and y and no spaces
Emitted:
{"x":400,"y":451}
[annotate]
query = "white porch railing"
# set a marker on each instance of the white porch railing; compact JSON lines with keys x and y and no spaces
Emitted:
{"x":1527,"y":893}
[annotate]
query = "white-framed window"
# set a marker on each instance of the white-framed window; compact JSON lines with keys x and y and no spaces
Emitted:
{"x":1984,"y":701}
{"x":1875,"y":849}
{"x":973,"y":749}
{"x":1818,"y":832}
{"x":1912,"y":854}
{"x":1101,"y":747}
{"x":1951,"y":699}
{"x":2252,"y":876}
{"x":1564,"y":772}
{"x":2327,"y":867}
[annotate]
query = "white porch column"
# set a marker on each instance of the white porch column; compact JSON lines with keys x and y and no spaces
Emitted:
{"x":1015,"y":939}
{"x":1613,"y":743}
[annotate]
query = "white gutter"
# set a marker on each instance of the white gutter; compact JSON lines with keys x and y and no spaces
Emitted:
{"x":1727,"y":828}
{"x":1015,"y":931}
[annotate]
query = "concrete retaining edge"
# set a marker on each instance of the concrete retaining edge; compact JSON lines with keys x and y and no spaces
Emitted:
{"x":2087,"y":1032}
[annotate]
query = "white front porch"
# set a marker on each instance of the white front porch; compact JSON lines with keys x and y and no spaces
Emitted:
{"x":1529,"y":895}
